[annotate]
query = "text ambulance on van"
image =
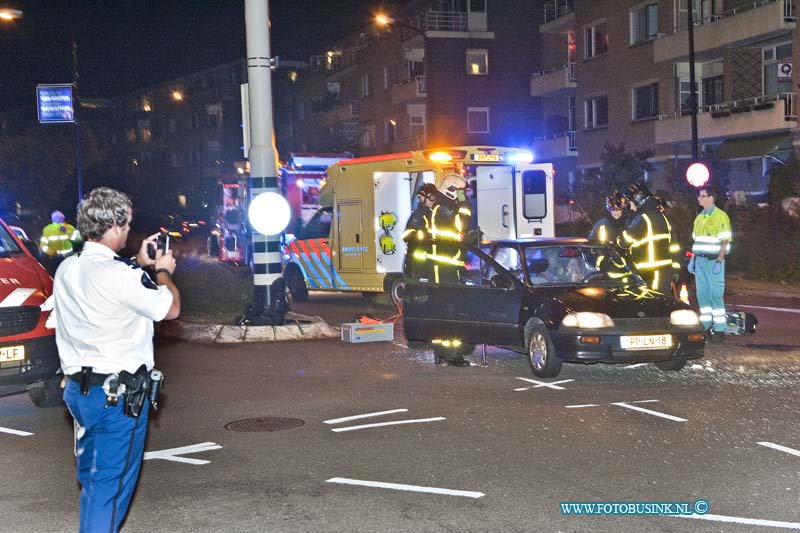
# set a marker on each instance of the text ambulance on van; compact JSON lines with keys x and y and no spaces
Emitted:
{"x":366,"y":202}
{"x":28,"y":355}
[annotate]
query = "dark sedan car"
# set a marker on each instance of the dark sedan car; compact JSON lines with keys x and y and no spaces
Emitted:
{"x":556,"y":300}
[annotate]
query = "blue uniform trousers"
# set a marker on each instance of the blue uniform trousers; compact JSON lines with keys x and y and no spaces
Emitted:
{"x":710,"y":289}
{"x":109,"y":454}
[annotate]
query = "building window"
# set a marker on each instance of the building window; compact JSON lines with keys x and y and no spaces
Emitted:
{"x":595,"y":40}
{"x":702,"y":11}
{"x":335,"y":88}
{"x":366,"y":85}
{"x":645,"y":101}
{"x":644,"y":23}
{"x":595,"y":111}
{"x":368,"y":135}
{"x":777,"y":68}
{"x":477,"y":62}
{"x":391,"y":131}
{"x":416,"y":128}
{"x":712,"y":90}
{"x":477,"y":120}
{"x":477,"y":6}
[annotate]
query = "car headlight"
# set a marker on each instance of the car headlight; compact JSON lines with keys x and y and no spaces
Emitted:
{"x":684,"y":317}
{"x":588,"y":320}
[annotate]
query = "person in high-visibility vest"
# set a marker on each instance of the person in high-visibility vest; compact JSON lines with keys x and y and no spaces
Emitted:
{"x":417,"y":228}
{"x":712,"y":242}
{"x":58,"y":240}
{"x":648,"y":239}
{"x":609,"y":228}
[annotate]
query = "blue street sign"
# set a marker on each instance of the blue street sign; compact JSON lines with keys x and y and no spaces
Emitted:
{"x":54,"y":103}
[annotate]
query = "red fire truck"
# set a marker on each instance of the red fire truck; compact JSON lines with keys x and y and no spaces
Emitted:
{"x":300,"y":179}
{"x":28,"y":354}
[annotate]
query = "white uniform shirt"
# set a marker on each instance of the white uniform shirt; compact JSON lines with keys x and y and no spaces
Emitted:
{"x":105,"y":311}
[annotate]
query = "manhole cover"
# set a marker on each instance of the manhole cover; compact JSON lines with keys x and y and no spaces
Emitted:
{"x":265,"y":423}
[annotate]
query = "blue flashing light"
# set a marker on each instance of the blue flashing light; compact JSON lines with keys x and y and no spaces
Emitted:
{"x":520,"y":157}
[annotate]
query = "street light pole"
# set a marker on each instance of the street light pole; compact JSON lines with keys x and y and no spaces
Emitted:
{"x":692,"y":84}
{"x":384,"y":20}
{"x":77,"y":102}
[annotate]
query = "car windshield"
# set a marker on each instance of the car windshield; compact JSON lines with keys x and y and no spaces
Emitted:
{"x":577,"y":264}
{"x":8,"y":245}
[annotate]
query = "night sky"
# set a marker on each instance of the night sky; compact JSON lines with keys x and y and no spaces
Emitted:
{"x":128,"y":44}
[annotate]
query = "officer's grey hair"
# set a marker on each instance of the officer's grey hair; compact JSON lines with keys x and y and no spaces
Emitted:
{"x":101,"y":210}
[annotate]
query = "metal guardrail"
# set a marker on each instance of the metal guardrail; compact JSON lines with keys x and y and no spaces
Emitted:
{"x":421,"y":87}
{"x":788,"y":14}
{"x":555,"y":9}
{"x":572,"y":146}
{"x":568,"y":68}
{"x":754,"y":103}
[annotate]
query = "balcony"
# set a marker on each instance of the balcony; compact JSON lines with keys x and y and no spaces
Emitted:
{"x":556,"y":82}
{"x":761,"y":114}
{"x":559,"y":16}
{"x":341,"y":113}
{"x":555,"y":146}
{"x":755,"y":22}
{"x":409,"y":90}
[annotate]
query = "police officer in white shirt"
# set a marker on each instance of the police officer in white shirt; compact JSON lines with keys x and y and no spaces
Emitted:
{"x":105,"y":307}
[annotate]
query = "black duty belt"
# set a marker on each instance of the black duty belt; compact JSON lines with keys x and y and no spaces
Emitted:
{"x":712,"y":257}
{"x":94,"y":378}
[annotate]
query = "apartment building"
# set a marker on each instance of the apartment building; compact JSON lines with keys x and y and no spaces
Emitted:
{"x":618,"y":71}
{"x":445,"y":72}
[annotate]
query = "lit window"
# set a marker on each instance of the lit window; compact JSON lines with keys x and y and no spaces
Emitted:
{"x":477,"y":62}
{"x":477,"y":120}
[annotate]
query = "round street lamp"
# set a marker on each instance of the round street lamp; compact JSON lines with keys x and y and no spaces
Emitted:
{"x":697,"y":175}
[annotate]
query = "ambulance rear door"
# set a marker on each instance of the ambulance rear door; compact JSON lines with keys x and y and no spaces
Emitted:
{"x":495,"y":201}
{"x":392,"y":196}
{"x":535,"y":211}
{"x":349,"y":228}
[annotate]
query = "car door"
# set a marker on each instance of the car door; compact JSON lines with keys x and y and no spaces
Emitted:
{"x":482,"y":307}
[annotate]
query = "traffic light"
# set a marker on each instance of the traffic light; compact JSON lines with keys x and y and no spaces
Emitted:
{"x":697,"y":174}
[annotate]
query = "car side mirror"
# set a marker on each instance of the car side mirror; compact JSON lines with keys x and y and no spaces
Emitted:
{"x":33,"y":247}
{"x":500,"y":281}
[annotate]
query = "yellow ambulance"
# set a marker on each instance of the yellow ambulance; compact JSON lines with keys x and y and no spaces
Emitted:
{"x":354,"y":241}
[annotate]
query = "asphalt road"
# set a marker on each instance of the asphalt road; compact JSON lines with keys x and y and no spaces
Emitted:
{"x":510,"y":449}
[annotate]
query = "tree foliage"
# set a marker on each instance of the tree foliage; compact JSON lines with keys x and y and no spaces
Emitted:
{"x":37,"y":167}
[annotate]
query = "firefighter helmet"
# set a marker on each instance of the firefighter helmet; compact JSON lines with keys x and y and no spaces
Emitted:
{"x":387,"y":244}
{"x":57,"y":217}
{"x":451,"y":184}
{"x":387,"y":220}
{"x":616,"y":201}
{"x":428,"y":189}
{"x":638,"y":193}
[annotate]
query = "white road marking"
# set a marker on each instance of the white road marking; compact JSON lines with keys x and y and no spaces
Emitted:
{"x":411,"y":488}
{"x":15,"y":432}
{"x":643,"y":401}
{"x":637,"y":365}
{"x":739,"y":520}
{"x":366,"y":415}
{"x":16,"y":298}
{"x":780,"y":448}
{"x":538,"y":384}
{"x":396,"y":422}
{"x":583,"y":405}
{"x":779,"y":309}
{"x":173,"y":453}
{"x":649,"y":412}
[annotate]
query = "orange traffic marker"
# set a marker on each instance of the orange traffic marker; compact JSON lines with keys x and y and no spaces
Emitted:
{"x":684,"y":294}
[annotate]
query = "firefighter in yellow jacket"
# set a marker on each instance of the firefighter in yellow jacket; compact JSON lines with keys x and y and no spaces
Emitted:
{"x":648,"y":240}
{"x":58,"y":240}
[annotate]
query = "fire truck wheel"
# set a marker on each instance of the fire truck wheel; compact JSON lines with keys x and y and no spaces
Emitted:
{"x":295,"y":282}
{"x":213,"y":246}
{"x":47,"y":393}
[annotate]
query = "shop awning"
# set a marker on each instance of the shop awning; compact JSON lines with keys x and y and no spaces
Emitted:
{"x":776,"y":144}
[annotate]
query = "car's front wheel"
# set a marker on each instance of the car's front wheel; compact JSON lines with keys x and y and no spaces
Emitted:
{"x":47,"y":393}
{"x":671,"y":366}
{"x":542,"y":354}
